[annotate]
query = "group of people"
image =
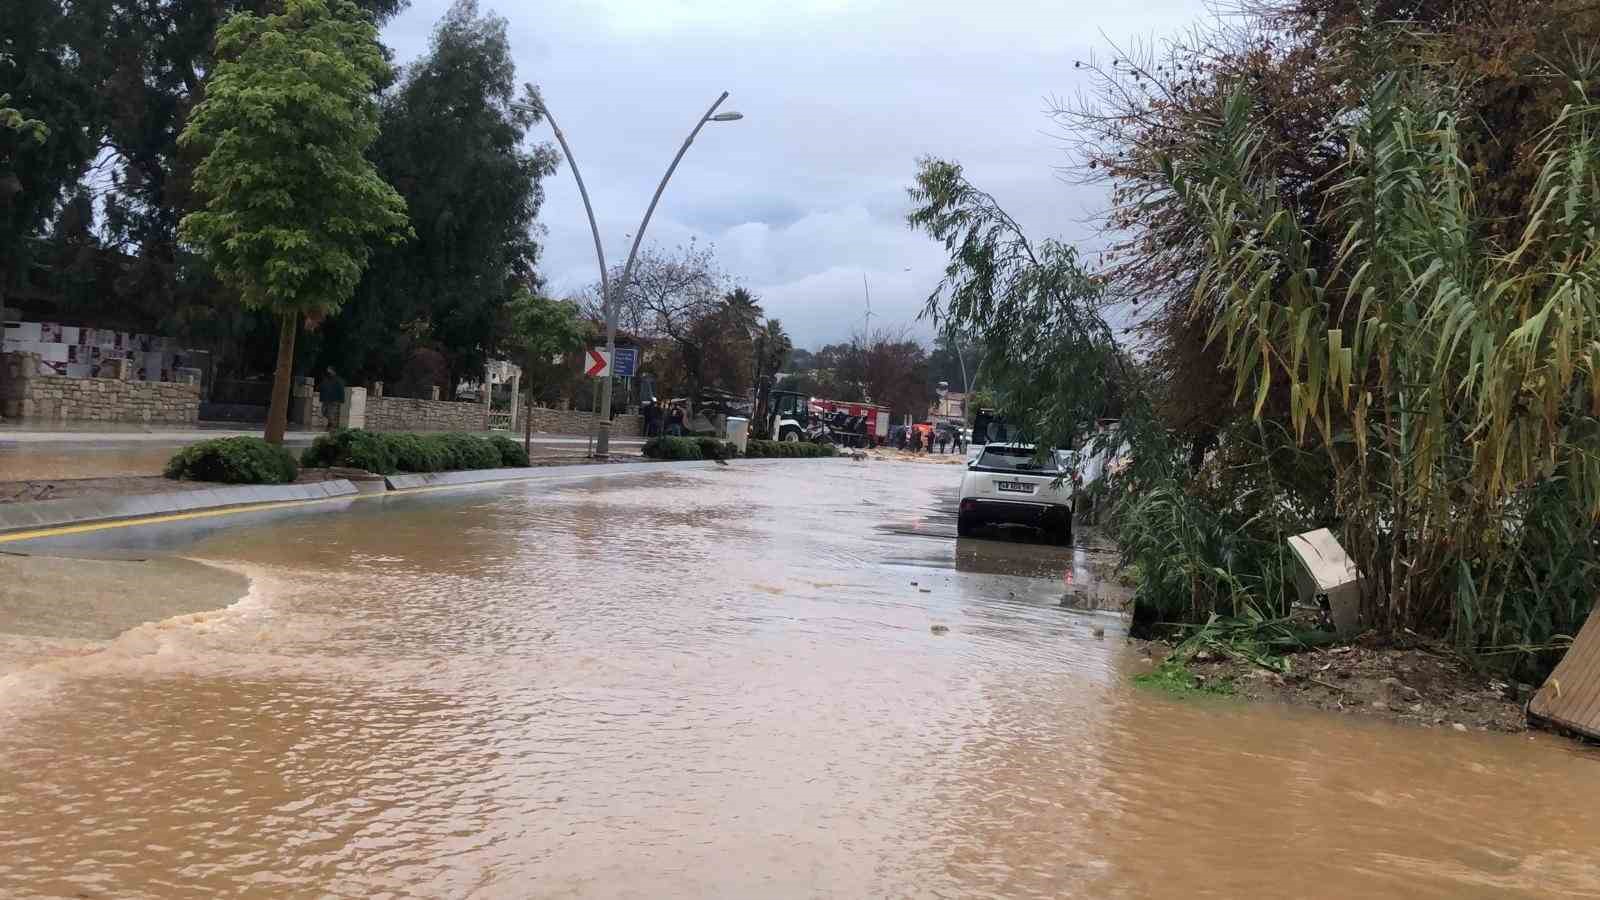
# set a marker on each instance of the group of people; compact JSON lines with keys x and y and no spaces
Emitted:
{"x":930,"y":440}
{"x":659,"y":421}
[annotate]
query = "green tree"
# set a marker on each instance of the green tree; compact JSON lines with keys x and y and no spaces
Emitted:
{"x":678,"y":299}
{"x":542,"y":331}
{"x":1449,"y":378}
{"x":147,"y":65}
{"x":47,"y":124}
{"x":954,"y":361}
{"x":1034,"y":306}
{"x":455,"y":146}
{"x":772,"y":349}
{"x":29,"y":130}
{"x":291,"y":199}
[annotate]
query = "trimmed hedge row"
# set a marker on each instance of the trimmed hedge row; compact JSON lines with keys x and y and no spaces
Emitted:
{"x":685,"y":448}
{"x":233,"y":460}
{"x":387,"y":453}
{"x":788,"y":449}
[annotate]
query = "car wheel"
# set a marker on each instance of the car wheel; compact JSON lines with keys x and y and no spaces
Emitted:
{"x":1063,"y":534}
{"x":791,"y":436}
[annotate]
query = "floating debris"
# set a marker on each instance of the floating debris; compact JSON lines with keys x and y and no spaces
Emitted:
{"x":940,"y":629}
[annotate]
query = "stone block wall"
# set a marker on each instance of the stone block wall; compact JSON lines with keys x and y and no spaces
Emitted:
{"x":25,"y":394}
{"x":406,"y":414}
{"x":570,"y":421}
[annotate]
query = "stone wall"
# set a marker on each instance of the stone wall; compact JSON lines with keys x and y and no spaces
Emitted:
{"x":406,"y":414}
{"x":569,"y":421}
{"x":25,"y":394}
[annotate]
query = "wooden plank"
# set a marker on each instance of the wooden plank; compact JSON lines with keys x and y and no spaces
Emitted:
{"x":1570,"y":697}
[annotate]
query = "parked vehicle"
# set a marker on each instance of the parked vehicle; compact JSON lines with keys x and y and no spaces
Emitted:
{"x":797,"y":417}
{"x":1009,"y":484}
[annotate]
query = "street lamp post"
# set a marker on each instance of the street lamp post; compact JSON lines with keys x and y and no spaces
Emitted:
{"x":609,"y":302}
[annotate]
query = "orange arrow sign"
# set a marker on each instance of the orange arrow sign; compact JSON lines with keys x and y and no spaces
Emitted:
{"x":598,"y":363}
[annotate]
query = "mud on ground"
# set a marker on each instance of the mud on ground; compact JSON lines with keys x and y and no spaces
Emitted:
{"x":1420,"y":684}
{"x":52,"y":606}
{"x":114,"y":485}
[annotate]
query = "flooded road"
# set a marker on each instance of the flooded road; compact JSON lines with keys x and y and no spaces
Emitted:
{"x":720,"y":682}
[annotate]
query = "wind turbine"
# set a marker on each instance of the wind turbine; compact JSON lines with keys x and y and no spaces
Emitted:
{"x":867,"y":292}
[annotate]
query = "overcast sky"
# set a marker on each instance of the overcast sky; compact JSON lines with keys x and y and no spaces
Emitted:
{"x":840,"y":97}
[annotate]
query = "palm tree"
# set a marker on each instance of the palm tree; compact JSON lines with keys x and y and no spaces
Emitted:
{"x":742,"y":310}
{"x":773,"y":347}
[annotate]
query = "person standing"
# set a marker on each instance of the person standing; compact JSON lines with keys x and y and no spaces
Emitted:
{"x":331,"y":393}
{"x":944,"y":440}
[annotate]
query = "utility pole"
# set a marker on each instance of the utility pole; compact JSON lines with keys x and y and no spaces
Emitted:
{"x":609,"y":299}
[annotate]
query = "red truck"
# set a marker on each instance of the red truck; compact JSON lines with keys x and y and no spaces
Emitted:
{"x":796,"y":417}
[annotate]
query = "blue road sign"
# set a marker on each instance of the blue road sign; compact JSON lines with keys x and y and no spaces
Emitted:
{"x":626,"y":363}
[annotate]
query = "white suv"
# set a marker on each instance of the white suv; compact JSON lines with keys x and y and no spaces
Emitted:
{"x":1009,"y":484}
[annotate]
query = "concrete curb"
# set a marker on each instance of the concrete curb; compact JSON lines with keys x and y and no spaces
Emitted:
{"x":409,"y":482}
{"x":84,"y":510}
{"x":400,"y":483}
{"x":16,"y":518}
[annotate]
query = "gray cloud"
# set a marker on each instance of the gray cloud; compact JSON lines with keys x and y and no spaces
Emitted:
{"x":807,"y":193}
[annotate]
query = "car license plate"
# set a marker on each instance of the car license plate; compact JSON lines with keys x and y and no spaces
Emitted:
{"x":1014,"y":487}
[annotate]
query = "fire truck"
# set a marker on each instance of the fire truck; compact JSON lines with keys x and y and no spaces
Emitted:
{"x":797,"y":417}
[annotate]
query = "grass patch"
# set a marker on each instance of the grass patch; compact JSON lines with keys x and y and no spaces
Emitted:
{"x":1174,"y":679}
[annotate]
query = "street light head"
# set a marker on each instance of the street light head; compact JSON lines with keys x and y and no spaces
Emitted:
{"x":727,"y":117}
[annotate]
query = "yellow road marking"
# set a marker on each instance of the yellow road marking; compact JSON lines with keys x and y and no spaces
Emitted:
{"x":87,"y":527}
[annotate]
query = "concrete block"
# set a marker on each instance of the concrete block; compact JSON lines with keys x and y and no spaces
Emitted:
{"x":1327,"y":578}
{"x":353,"y":412}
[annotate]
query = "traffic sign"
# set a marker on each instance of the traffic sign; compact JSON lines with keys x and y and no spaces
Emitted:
{"x":596,"y":364}
{"x":627,"y":362}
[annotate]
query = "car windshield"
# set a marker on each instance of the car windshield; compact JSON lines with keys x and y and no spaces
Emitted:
{"x":1016,"y":459}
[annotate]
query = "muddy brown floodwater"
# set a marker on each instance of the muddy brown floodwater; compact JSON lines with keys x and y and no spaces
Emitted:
{"x":720,"y":682}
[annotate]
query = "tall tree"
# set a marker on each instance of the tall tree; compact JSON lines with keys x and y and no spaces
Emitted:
{"x":453,"y":143}
{"x":47,"y":132}
{"x":291,"y":199}
{"x":677,"y":297}
{"x":542,"y":331}
{"x":954,"y":361}
{"x":894,"y":369}
{"x":772,"y":350}
{"x":1034,"y":305}
{"x":150,"y":62}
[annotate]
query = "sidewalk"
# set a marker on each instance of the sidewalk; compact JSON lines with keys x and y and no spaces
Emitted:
{"x":33,"y":453}
{"x":105,"y":433}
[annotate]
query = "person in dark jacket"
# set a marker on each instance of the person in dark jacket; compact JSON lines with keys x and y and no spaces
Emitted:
{"x":331,"y":392}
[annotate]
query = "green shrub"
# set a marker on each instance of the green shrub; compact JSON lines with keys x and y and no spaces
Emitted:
{"x":712,"y":448}
{"x":415,"y":453}
{"x":512,"y":453}
{"x":676,"y":448}
{"x":233,"y":460}
{"x":351,"y":448}
{"x":764,"y":449}
{"x":465,"y":451}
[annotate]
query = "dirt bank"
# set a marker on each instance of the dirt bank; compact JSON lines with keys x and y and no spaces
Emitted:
{"x":939,"y":459}
{"x":53,"y":605}
{"x":116,"y":485}
{"x":1419,"y":684}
